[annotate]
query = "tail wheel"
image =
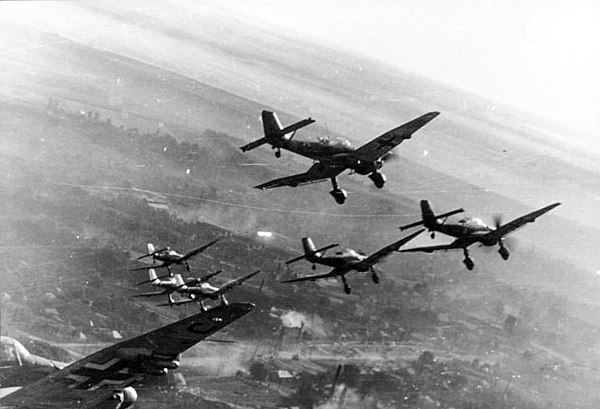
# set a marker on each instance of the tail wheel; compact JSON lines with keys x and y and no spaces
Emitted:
{"x":278,"y":153}
{"x":347,"y":288}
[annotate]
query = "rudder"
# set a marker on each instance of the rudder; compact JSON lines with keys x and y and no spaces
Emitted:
{"x":271,"y":125}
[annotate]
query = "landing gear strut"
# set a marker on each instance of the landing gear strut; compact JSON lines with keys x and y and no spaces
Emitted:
{"x":432,"y":234}
{"x":503,"y":251}
{"x":374,"y":277}
{"x":224,"y":301}
{"x":187,"y":266}
{"x":338,"y":194}
{"x":469,"y":263}
{"x":347,"y":289}
{"x":378,"y":179}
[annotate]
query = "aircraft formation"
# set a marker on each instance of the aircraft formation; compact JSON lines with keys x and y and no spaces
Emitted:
{"x":108,"y":375}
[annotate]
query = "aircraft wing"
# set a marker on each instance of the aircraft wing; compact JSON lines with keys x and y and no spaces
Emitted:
{"x":94,"y":379}
{"x":455,"y":245}
{"x":519,"y":222}
{"x":381,"y":145}
{"x":154,"y":293}
{"x":384,"y":252}
{"x":198,"y":250}
{"x":149,"y":266}
{"x":237,"y":282}
{"x":333,"y":273}
{"x":318,"y":172}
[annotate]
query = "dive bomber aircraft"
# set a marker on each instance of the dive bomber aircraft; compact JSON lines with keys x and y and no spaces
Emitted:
{"x":170,"y":257}
{"x":345,"y":261}
{"x":333,"y":159}
{"x":469,"y":231}
{"x":171,"y":284}
{"x":105,"y":378}
{"x":197,"y":290}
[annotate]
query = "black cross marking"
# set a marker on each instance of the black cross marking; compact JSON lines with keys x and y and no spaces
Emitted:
{"x":90,"y":376}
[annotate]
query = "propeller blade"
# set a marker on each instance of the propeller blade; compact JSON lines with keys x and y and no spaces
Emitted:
{"x":497,"y":221}
{"x":390,"y":156}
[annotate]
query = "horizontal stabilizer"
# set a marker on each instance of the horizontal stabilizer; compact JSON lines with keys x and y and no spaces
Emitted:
{"x":296,"y":126}
{"x":316,"y":251}
{"x":441,"y":216}
{"x":253,"y":145}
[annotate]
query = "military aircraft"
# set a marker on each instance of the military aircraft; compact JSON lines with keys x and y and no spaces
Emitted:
{"x":171,"y":284}
{"x":345,"y":261}
{"x":18,"y":366}
{"x":279,"y":137}
{"x":197,"y":291}
{"x":169,"y":257}
{"x":469,"y":231}
{"x":105,"y":378}
{"x":333,"y":159}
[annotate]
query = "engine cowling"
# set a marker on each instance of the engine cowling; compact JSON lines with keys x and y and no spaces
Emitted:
{"x":125,"y":397}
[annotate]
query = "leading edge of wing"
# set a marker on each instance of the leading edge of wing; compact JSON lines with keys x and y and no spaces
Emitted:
{"x":71,"y":388}
{"x":199,"y":250}
{"x":314,"y":277}
{"x":379,"y":255}
{"x":291,"y":181}
{"x":384,"y":143}
{"x":519,"y":222}
{"x":431,"y":249}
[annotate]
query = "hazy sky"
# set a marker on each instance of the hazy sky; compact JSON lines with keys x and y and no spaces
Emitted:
{"x":539,"y":55}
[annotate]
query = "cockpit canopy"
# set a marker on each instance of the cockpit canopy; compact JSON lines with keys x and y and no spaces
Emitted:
{"x":473,"y":221}
{"x":344,"y":143}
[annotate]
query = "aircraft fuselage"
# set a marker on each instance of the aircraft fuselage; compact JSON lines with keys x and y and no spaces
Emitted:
{"x":467,"y":230}
{"x":342,"y":258}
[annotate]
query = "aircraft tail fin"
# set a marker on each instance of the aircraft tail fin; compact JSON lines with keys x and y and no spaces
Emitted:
{"x":273,"y":129}
{"x":152,"y":275}
{"x":426,"y":211}
{"x":179,"y":280}
{"x":151,"y":248}
{"x":271,"y":125}
{"x":429,"y":218}
{"x":309,"y":247}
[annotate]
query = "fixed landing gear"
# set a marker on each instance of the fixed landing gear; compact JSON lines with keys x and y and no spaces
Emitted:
{"x":503,"y":252}
{"x":469,"y":263}
{"x":374,"y":277}
{"x":169,"y":270}
{"x":338,"y":194}
{"x":432,"y":235}
{"x":224,"y":301}
{"x":202,"y":306}
{"x":347,"y":288}
{"x":378,"y":179}
{"x":187,"y":267}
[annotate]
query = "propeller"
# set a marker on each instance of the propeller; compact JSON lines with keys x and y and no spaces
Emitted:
{"x":391,"y":155}
{"x":153,"y":253}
